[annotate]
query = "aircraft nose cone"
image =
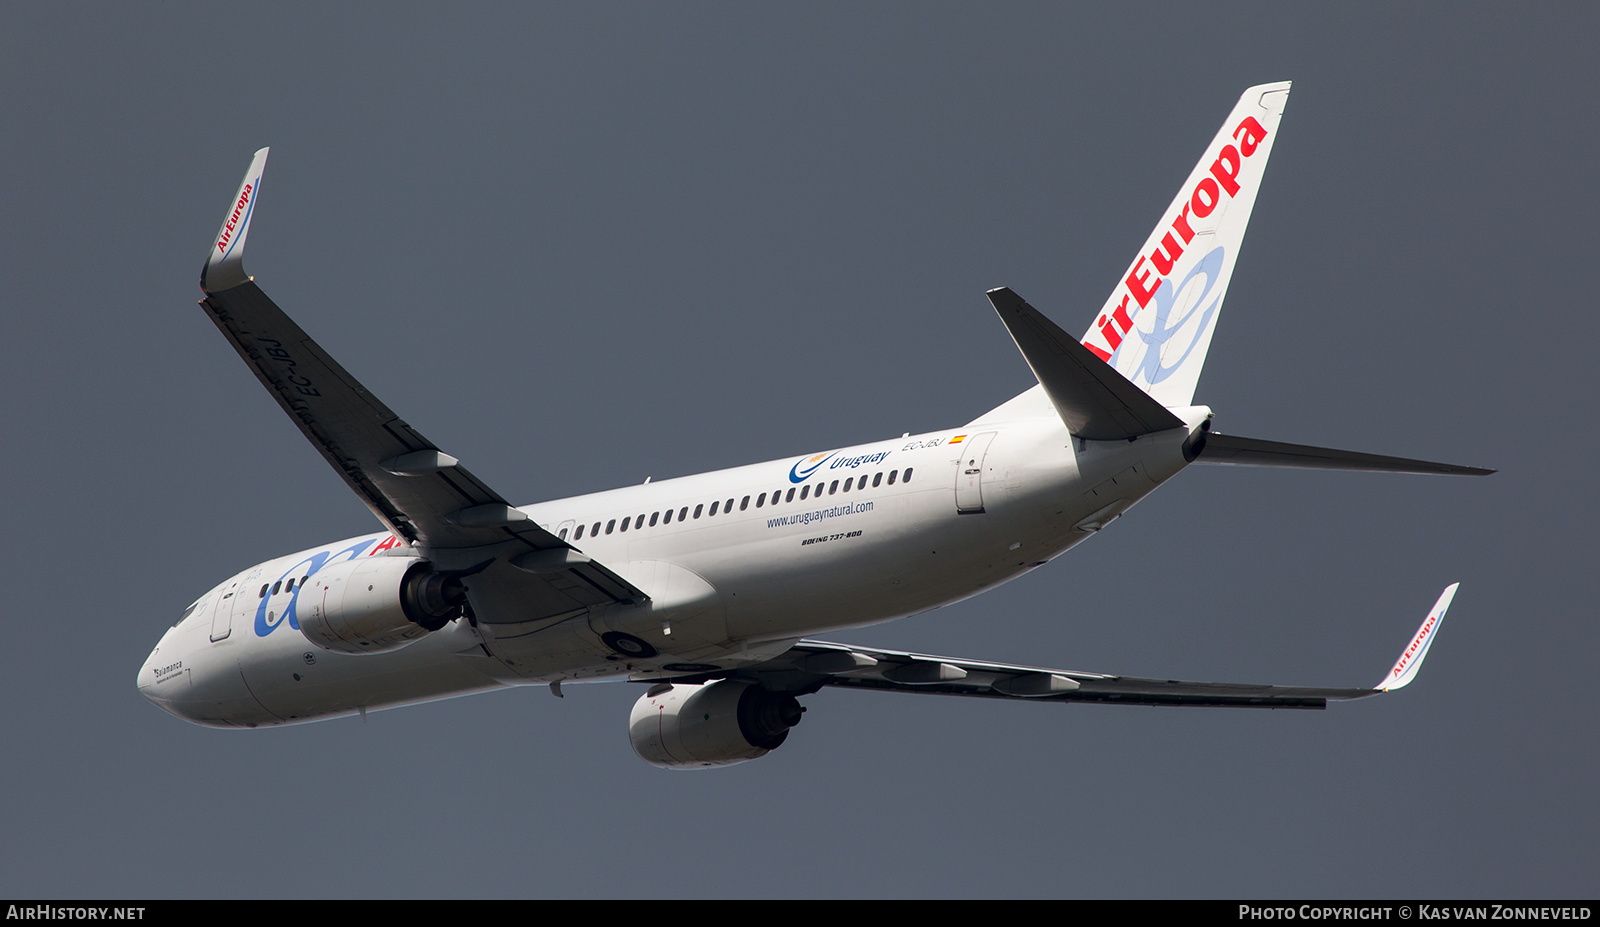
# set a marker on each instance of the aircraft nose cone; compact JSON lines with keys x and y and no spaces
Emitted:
{"x":186,"y":679}
{"x":164,"y":678}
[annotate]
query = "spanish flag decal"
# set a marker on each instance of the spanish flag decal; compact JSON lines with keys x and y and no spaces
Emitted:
{"x":957,"y":439}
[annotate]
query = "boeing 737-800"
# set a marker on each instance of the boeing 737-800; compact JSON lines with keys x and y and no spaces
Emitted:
{"x":705,"y":587}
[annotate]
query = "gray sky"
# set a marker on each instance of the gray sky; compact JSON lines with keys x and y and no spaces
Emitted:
{"x":579,"y":245}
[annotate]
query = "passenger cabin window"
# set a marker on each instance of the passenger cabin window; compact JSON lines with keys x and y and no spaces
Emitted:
{"x":713,"y":509}
{"x":790,"y":496}
{"x":579,"y":535}
{"x":907,"y":477}
{"x":892,"y":476}
{"x":684,"y":512}
{"x":698,"y":508}
{"x":624,"y":523}
{"x":805,"y":490}
{"x":594,"y":530}
{"x":610,"y":525}
{"x":762,"y":500}
{"x":727,"y":506}
{"x":290,"y":587}
{"x":743,"y":503}
{"x":833,"y":487}
{"x":263,"y":592}
{"x":639,"y":521}
{"x":563,"y":534}
{"x":656,"y":515}
{"x":877,"y":479}
{"x":847,"y":484}
{"x":276,"y":586}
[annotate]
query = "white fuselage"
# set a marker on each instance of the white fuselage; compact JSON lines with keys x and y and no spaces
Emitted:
{"x":835,"y":540}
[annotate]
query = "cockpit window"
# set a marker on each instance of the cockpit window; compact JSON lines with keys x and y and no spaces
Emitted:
{"x":190,"y":610}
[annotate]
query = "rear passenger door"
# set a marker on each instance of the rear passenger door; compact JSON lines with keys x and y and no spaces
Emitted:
{"x":969,"y":473}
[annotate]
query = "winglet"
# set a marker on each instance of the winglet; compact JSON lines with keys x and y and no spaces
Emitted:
{"x":224,"y":268}
{"x":1405,"y":668}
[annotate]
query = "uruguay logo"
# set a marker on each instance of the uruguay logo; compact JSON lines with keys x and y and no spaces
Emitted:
{"x":806,"y":466}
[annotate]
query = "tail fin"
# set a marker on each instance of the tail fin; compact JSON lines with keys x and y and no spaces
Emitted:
{"x":1157,"y":325}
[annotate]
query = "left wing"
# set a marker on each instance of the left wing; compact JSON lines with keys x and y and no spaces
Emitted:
{"x":810,"y":665}
{"x":421,"y":493}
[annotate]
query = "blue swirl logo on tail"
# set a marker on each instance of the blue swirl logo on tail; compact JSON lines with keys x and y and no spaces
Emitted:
{"x":1152,"y":365}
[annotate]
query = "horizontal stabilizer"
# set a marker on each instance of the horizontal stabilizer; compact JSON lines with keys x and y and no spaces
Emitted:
{"x":1095,"y":401}
{"x":1254,"y":452}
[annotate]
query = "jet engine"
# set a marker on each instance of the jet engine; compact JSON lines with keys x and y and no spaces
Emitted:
{"x":711,"y":724}
{"x":377,"y":603}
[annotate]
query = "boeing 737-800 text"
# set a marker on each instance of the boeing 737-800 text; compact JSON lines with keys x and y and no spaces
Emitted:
{"x":705,"y":587}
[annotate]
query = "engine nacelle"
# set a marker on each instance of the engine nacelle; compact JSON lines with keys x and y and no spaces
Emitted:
{"x":712,"y":724}
{"x":376,"y":604}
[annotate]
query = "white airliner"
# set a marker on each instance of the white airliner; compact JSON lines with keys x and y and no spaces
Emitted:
{"x":706,"y":587}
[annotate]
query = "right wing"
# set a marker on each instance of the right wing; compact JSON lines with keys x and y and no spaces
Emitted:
{"x":811,"y":665}
{"x":421,"y":493}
